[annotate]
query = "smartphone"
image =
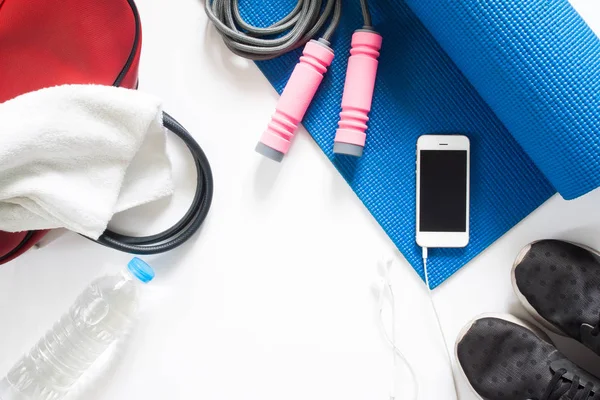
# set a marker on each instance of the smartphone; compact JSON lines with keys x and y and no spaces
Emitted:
{"x":443,"y":180}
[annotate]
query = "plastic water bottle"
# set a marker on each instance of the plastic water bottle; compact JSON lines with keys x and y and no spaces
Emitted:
{"x":101,"y":314}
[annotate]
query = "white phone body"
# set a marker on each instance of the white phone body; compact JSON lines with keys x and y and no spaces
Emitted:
{"x":443,"y":190}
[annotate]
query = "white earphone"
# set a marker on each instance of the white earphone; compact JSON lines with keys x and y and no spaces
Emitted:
{"x":385,"y":292}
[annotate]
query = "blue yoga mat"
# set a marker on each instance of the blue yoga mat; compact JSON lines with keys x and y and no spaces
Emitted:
{"x":521,"y":78}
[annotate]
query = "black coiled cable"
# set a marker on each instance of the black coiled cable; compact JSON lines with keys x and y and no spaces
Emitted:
{"x":191,"y":221}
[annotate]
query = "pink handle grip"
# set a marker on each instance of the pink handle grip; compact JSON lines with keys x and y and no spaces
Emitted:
{"x":297,"y":96}
{"x":359,"y":88}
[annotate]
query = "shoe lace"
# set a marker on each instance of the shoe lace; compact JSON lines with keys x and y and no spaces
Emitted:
{"x":596,"y":330}
{"x":556,"y":389}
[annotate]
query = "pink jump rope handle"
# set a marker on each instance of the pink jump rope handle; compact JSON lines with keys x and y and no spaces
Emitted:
{"x":358,"y":93}
{"x":295,"y":100}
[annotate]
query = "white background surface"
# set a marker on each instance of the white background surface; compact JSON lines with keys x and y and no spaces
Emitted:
{"x":274,"y":298}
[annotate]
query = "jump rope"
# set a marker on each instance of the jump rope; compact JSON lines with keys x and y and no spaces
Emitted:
{"x":293,"y":31}
{"x":297,"y":29}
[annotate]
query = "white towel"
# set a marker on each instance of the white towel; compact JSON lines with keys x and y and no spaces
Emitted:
{"x":72,"y":156}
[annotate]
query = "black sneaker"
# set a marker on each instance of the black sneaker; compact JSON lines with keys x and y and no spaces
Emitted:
{"x":503,"y":358}
{"x":559,"y":285}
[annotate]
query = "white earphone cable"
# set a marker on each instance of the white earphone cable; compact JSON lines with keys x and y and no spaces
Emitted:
{"x":437,"y":318}
{"x":391,"y":340}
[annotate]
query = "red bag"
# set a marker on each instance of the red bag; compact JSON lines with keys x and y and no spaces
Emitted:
{"x":55,"y":42}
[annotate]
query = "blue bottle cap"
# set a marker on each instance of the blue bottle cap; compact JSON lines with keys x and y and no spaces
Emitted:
{"x":141,"y":270}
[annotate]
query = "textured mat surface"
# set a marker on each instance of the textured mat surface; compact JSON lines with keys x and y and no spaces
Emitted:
{"x":521,"y":78}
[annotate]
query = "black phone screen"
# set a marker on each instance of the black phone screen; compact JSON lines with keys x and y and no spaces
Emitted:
{"x":443,"y":198}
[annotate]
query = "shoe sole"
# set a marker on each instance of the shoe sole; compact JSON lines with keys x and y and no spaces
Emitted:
{"x":530,"y":309}
{"x":506,"y":317}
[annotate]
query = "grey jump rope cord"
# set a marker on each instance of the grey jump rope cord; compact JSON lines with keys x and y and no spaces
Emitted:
{"x":291,"y":32}
{"x":437,"y":318}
